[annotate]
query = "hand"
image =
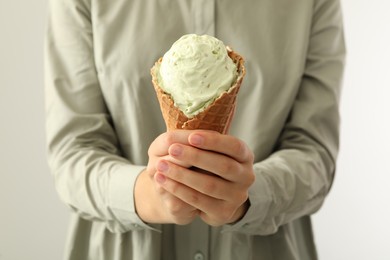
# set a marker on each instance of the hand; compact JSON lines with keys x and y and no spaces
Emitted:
{"x":222,"y":194}
{"x":153,"y":203}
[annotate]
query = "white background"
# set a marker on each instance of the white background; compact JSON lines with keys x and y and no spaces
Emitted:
{"x":354,"y":221}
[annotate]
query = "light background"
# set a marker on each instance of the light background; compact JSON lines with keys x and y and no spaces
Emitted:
{"x":354,"y":221}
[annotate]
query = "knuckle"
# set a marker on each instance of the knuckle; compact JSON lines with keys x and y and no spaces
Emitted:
{"x":229,"y":166}
{"x":195,"y":155}
{"x":151,"y":149}
{"x":209,"y":187}
{"x":159,"y":190}
{"x":175,"y":187}
{"x":181,"y":221}
{"x":251,"y":179}
{"x":213,"y":222}
{"x":193,"y":198}
{"x":239,"y":147}
{"x":169,"y":138}
{"x":175,"y":173}
{"x":226,"y":214}
{"x":174,"y":207}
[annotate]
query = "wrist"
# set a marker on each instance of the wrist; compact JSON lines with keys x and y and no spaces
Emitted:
{"x":145,"y":199}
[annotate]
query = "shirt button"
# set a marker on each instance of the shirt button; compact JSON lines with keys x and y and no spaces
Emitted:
{"x":199,"y":256}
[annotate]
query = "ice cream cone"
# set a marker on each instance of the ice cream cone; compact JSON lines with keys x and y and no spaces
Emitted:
{"x":217,"y":116}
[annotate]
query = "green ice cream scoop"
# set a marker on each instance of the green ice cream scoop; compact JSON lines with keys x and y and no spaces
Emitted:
{"x":196,"y":71}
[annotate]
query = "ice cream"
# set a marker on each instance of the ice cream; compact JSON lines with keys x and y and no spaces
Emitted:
{"x":195,"y":71}
{"x":197,"y":82}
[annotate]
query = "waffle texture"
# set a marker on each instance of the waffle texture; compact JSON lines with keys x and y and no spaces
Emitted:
{"x":217,"y":116}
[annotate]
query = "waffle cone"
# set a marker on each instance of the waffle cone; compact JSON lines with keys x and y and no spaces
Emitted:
{"x":217,"y":116}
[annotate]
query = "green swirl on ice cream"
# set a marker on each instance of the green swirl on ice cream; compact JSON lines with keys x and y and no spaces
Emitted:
{"x":196,"y":71}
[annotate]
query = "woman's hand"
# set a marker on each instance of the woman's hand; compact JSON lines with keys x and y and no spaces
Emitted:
{"x":215,"y":186}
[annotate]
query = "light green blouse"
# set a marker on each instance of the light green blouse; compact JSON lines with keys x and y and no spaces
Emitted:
{"x":102,"y":115}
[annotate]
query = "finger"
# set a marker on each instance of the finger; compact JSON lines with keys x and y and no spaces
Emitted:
{"x":175,"y":206}
{"x":210,"y":185}
{"x":163,"y":141}
{"x":219,"y":164}
{"x":214,"y":211}
{"x":225,"y":144}
{"x":188,"y":195}
{"x":173,"y":160}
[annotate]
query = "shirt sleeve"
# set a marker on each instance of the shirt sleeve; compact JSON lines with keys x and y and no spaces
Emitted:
{"x":90,"y":174}
{"x":295,"y":179}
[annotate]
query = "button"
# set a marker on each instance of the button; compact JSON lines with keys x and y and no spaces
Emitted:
{"x":198,"y":256}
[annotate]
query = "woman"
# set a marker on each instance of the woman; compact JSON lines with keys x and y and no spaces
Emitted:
{"x":122,"y":174}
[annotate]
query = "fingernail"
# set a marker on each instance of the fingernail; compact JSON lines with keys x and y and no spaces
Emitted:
{"x":162,"y":166}
{"x":160,"y":178}
{"x":196,"y":139}
{"x":176,"y":150}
